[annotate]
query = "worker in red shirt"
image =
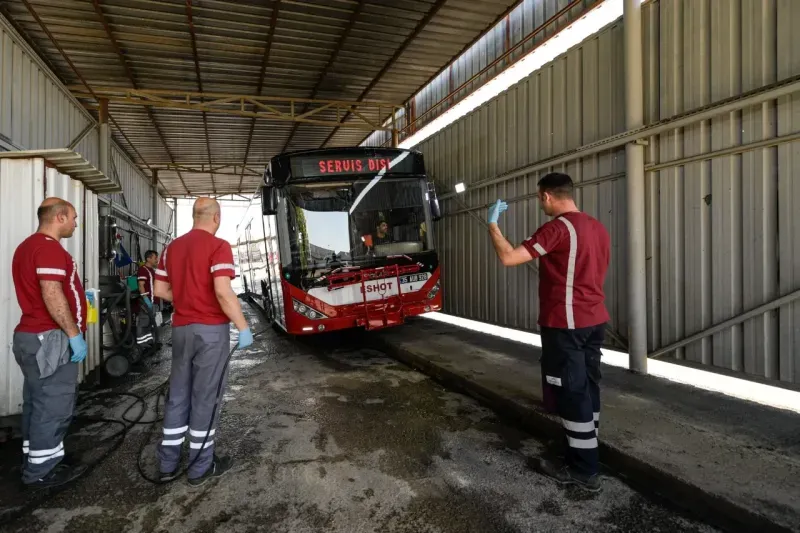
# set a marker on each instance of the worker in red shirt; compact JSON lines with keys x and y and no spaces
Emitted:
{"x":48,"y":342}
{"x":194,"y":273}
{"x":574,"y":252}
{"x":146,"y":279}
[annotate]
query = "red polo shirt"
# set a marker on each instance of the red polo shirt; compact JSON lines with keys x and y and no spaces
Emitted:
{"x":146,"y":275}
{"x":39,"y":258}
{"x":189,"y":264}
{"x":574,"y":251}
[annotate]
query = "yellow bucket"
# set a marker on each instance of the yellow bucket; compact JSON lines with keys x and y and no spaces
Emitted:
{"x":92,"y":306}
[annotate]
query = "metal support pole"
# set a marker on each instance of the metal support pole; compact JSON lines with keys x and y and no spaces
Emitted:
{"x":105,"y":138}
{"x":634,"y":166}
{"x":154,"y":209}
{"x":395,"y":133}
{"x":174,"y":217}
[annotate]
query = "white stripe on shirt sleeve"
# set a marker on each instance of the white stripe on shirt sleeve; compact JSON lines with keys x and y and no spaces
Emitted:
{"x":539,"y":249}
{"x":51,"y":271}
{"x":222,"y":266}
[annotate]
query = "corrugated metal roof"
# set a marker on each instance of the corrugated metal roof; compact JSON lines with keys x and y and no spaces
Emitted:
{"x":71,"y":164}
{"x":325,"y":49}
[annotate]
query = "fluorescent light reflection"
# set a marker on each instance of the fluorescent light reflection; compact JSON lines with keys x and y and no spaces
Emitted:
{"x":702,"y":379}
{"x":574,"y":34}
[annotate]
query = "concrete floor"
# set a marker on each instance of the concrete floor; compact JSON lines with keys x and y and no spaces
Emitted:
{"x":331,"y":436}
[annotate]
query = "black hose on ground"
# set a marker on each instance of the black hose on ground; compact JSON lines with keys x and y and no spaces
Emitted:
{"x":159,"y":392}
{"x":118,"y":438}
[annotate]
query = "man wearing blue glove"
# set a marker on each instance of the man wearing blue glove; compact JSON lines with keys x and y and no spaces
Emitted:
{"x":194,"y":273}
{"x":48,"y":342}
{"x":146,"y":279}
{"x":574,"y":250}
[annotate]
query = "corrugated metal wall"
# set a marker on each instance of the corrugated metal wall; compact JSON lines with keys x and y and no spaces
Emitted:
{"x":22,"y":182}
{"x":723,"y":234}
{"x":527,"y":18}
{"x":138,"y":199}
{"x":73,"y":191}
{"x":23,"y":187}
{"x":37,"y":111}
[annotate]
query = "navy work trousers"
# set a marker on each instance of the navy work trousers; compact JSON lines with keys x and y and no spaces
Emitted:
{"x":144,"y":330}
{"x":199,"y":353}
{"x":571,"y":375}
{"x":48,"y":403}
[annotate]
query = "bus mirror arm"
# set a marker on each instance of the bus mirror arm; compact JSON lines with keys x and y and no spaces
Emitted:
{"x":436,"y":212}
{"x":433,"y":202}
{"x":269,"y":200}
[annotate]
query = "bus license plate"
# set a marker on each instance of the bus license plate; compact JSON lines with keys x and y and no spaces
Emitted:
{"x":413,"y":278}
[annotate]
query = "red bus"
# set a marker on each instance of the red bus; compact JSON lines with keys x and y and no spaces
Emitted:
{"x":342,"y":238}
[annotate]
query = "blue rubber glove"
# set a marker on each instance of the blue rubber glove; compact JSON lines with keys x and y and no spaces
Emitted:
{"x":147,"y":302}
{"x":245,"y":338}
{"x":79,"y":348}
{"x":495,"y":210}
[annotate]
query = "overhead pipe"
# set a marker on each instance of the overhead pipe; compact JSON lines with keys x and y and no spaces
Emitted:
{"x":722,"y":326}
{"x":723,"y":107}
{"x":133,"y":218}
{"x":653,"y":168}
{"x":611,"y":332}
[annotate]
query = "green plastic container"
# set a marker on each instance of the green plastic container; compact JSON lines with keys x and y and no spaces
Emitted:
{"x":133,"y":283}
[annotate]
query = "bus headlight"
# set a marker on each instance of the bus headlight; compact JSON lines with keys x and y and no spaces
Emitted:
{"x":307,"y":311}
{"x":432,"y":293}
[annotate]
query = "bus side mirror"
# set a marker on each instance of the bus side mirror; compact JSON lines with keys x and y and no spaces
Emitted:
{"x":436,"y":212}
{"x":269,"y":200}
{"x":433,"y":201}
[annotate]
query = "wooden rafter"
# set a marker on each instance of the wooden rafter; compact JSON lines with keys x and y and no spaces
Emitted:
{"x":129,"y":73}
{"x":190,"y":20}
{"x":286,"y":109}
{"x":273,"y":22}
{"x":331,"y":60}
{"x":219,"y":169}
{"x":435,"y":8}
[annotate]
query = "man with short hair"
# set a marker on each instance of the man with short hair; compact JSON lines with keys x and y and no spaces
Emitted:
{"x":52,"y":325}
{"x":574,"y":252}
{"x":146,"y":278}
{"x":194,"y":273}
{"x":382,"y":235}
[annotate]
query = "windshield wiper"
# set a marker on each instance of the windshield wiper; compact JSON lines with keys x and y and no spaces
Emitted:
{"x":376,"y":179}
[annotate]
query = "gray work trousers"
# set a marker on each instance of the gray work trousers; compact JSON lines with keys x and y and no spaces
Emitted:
{"x":48,"y":402}
{"x":199,"y":353}
{"x":144,"y":332}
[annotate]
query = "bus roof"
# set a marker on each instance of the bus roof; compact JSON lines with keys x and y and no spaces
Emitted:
{"x":334,"y":163}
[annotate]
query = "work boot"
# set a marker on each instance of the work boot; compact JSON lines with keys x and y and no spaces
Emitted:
{"x":59,"y":475}
{"x":568,"y":476}
{"x":166,"y":477}
{"x":217,"y":468}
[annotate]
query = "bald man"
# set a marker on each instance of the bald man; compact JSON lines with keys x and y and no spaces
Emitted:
{"x":195,"y":273}
{"x":48,"y":342}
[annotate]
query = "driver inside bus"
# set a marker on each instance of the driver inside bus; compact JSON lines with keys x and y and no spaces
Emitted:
{"x":382,"y":235}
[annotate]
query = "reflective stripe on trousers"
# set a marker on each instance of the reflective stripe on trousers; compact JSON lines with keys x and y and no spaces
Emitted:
{"x":571,"y":373}
{"x":199,"y":352}
{"x":144,"y":334}
{"x":48,"y":406}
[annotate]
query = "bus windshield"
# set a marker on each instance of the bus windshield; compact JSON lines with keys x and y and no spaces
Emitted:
{"x":347,"y":223}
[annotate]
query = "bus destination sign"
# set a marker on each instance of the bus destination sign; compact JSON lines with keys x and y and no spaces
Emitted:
{"x":315,"y":166}
{"x":339,"y":166}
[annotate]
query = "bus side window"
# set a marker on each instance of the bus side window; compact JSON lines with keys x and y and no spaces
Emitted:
{"x":283,"y":229}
